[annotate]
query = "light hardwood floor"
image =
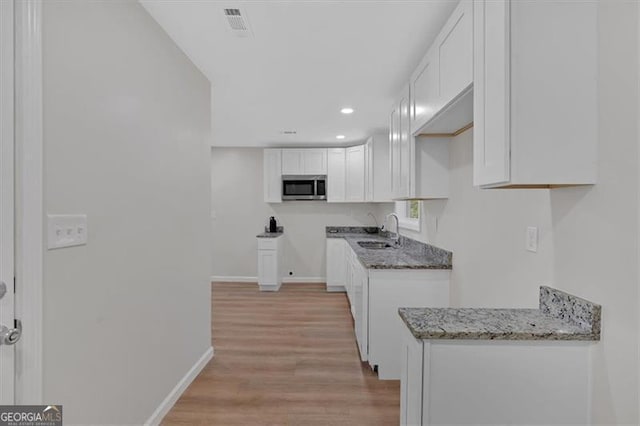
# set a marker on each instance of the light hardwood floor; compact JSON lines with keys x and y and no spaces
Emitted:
{"x":285,"y":358}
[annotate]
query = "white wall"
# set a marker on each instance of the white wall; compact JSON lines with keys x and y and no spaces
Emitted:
{"x":596,"y":229}
{"x":241,"y":213}
{"x":588,"y":236}
{"x":126,"y":123}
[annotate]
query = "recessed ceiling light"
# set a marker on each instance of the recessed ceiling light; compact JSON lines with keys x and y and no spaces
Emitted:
{"x":340,"y":137}
{"x":346,"y":110}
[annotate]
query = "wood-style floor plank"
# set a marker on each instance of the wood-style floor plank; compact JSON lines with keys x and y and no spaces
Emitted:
{"x":285,"y":358}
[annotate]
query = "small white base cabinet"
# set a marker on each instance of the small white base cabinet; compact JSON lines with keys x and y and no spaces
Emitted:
{"x":270,"y":263}
{"x":494,"y":382}
{"x":336,"y":265}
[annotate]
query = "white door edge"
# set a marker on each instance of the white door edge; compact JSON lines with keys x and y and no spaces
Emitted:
{"x":29,"y":199}
{"x":7,"y":137}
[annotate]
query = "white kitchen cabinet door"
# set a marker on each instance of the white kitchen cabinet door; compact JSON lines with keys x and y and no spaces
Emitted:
{"x":315,"y":161}
{"x":491,"y":100}
{"x":379,"y":173}
{"x":360,"y":281}
{"x":267,"y":267}
{"x":535,"y":94}
{"x":355,"y":173}
{"x":441,"y":100}
{"x":411,"y":380}
{"x":336,"y":175}
{"x":336,"y":264}
{"x":270,"y":263}
{"x":405,"y":146}
{"x":390,"y":289}
{"x":368,"y":170}
{"x":272,"y":175}
{"x":455,"y":53}
{"x":351,"y":277}
{"x":394,"y":151}
{"x":425,"y":91}
{"x":292,"y":161}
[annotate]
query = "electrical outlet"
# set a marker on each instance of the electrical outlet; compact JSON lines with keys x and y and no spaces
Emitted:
{"x":66,"y":230}
{"x":532,"y":239}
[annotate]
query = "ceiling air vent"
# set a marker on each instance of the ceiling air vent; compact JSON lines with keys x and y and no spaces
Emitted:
{"x":238,"y":23}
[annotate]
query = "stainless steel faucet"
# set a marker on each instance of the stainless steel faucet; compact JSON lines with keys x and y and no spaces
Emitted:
{"x":397,"y":239}
{"x":374,"y":218}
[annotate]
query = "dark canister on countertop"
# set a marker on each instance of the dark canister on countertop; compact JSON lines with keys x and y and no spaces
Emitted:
{"x":273,"y":226}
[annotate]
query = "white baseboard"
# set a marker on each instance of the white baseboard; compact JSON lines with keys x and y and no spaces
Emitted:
{"x":301,"y":280}
{"x":225,"y":279}
{"x":168,"y":403}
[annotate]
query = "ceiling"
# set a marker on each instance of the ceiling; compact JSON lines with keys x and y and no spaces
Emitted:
{"x":303,"y":62}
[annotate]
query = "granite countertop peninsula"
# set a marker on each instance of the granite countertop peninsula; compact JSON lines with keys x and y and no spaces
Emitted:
{"x":561,"y":316}
{"x":267,"y":234}
{"x":411,"y":254}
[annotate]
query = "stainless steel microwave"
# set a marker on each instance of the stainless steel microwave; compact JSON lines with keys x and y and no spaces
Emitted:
{"x":304,"y":187}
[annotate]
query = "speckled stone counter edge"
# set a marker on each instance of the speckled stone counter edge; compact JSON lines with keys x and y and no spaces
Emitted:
{"x":581,"y":319}
{"x":412,"y":250}
{"x":267,"y":234}
{"x":351,"y":230}
{"x":565,"y":306}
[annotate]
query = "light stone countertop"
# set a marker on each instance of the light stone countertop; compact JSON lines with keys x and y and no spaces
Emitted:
{"x":411,"y":254}
{"x":267,"y":234}
{"x":561,"y":316}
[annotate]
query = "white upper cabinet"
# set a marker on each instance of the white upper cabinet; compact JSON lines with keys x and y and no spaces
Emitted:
{"x":426,"y":91}
{"x":491,"y":90}
{"x":368,"y":170}
{"x":336,"y":175}
{"x":455,"y":53}
{"x":405,"y":146}
{"x":535,"y":93}
{"x":307,"y":161}
{"x":355,"y":173}
{"x":401,"y":155}
{"x":441,"y":100}
{"x":272,"y":175}
{"x":377,"y":172}
{"x":292,"y":163}
{"x":419,"y":166}
{"x":315,"y":161}
{"x":394,"y":150}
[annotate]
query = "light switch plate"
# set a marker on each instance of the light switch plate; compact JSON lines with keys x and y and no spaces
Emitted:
{"x":66,"y":230}
{"x":532,"y":239}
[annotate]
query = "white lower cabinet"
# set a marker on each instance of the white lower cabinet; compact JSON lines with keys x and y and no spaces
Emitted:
{"x":374,"y":298}
{"x":390,"y":289}
{"x":494,"y":382}
{"x":359,"y":306}
{"x":270,"y":263}
{"x":336,"y":265}
{"x":411,"y":380}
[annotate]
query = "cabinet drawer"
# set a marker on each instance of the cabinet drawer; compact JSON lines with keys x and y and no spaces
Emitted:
{"x":267,"y":243}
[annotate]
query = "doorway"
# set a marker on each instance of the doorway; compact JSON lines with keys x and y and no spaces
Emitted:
{"x":21,"y":201}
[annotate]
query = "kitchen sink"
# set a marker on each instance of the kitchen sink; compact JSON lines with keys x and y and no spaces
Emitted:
{"x":374,"y":244}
